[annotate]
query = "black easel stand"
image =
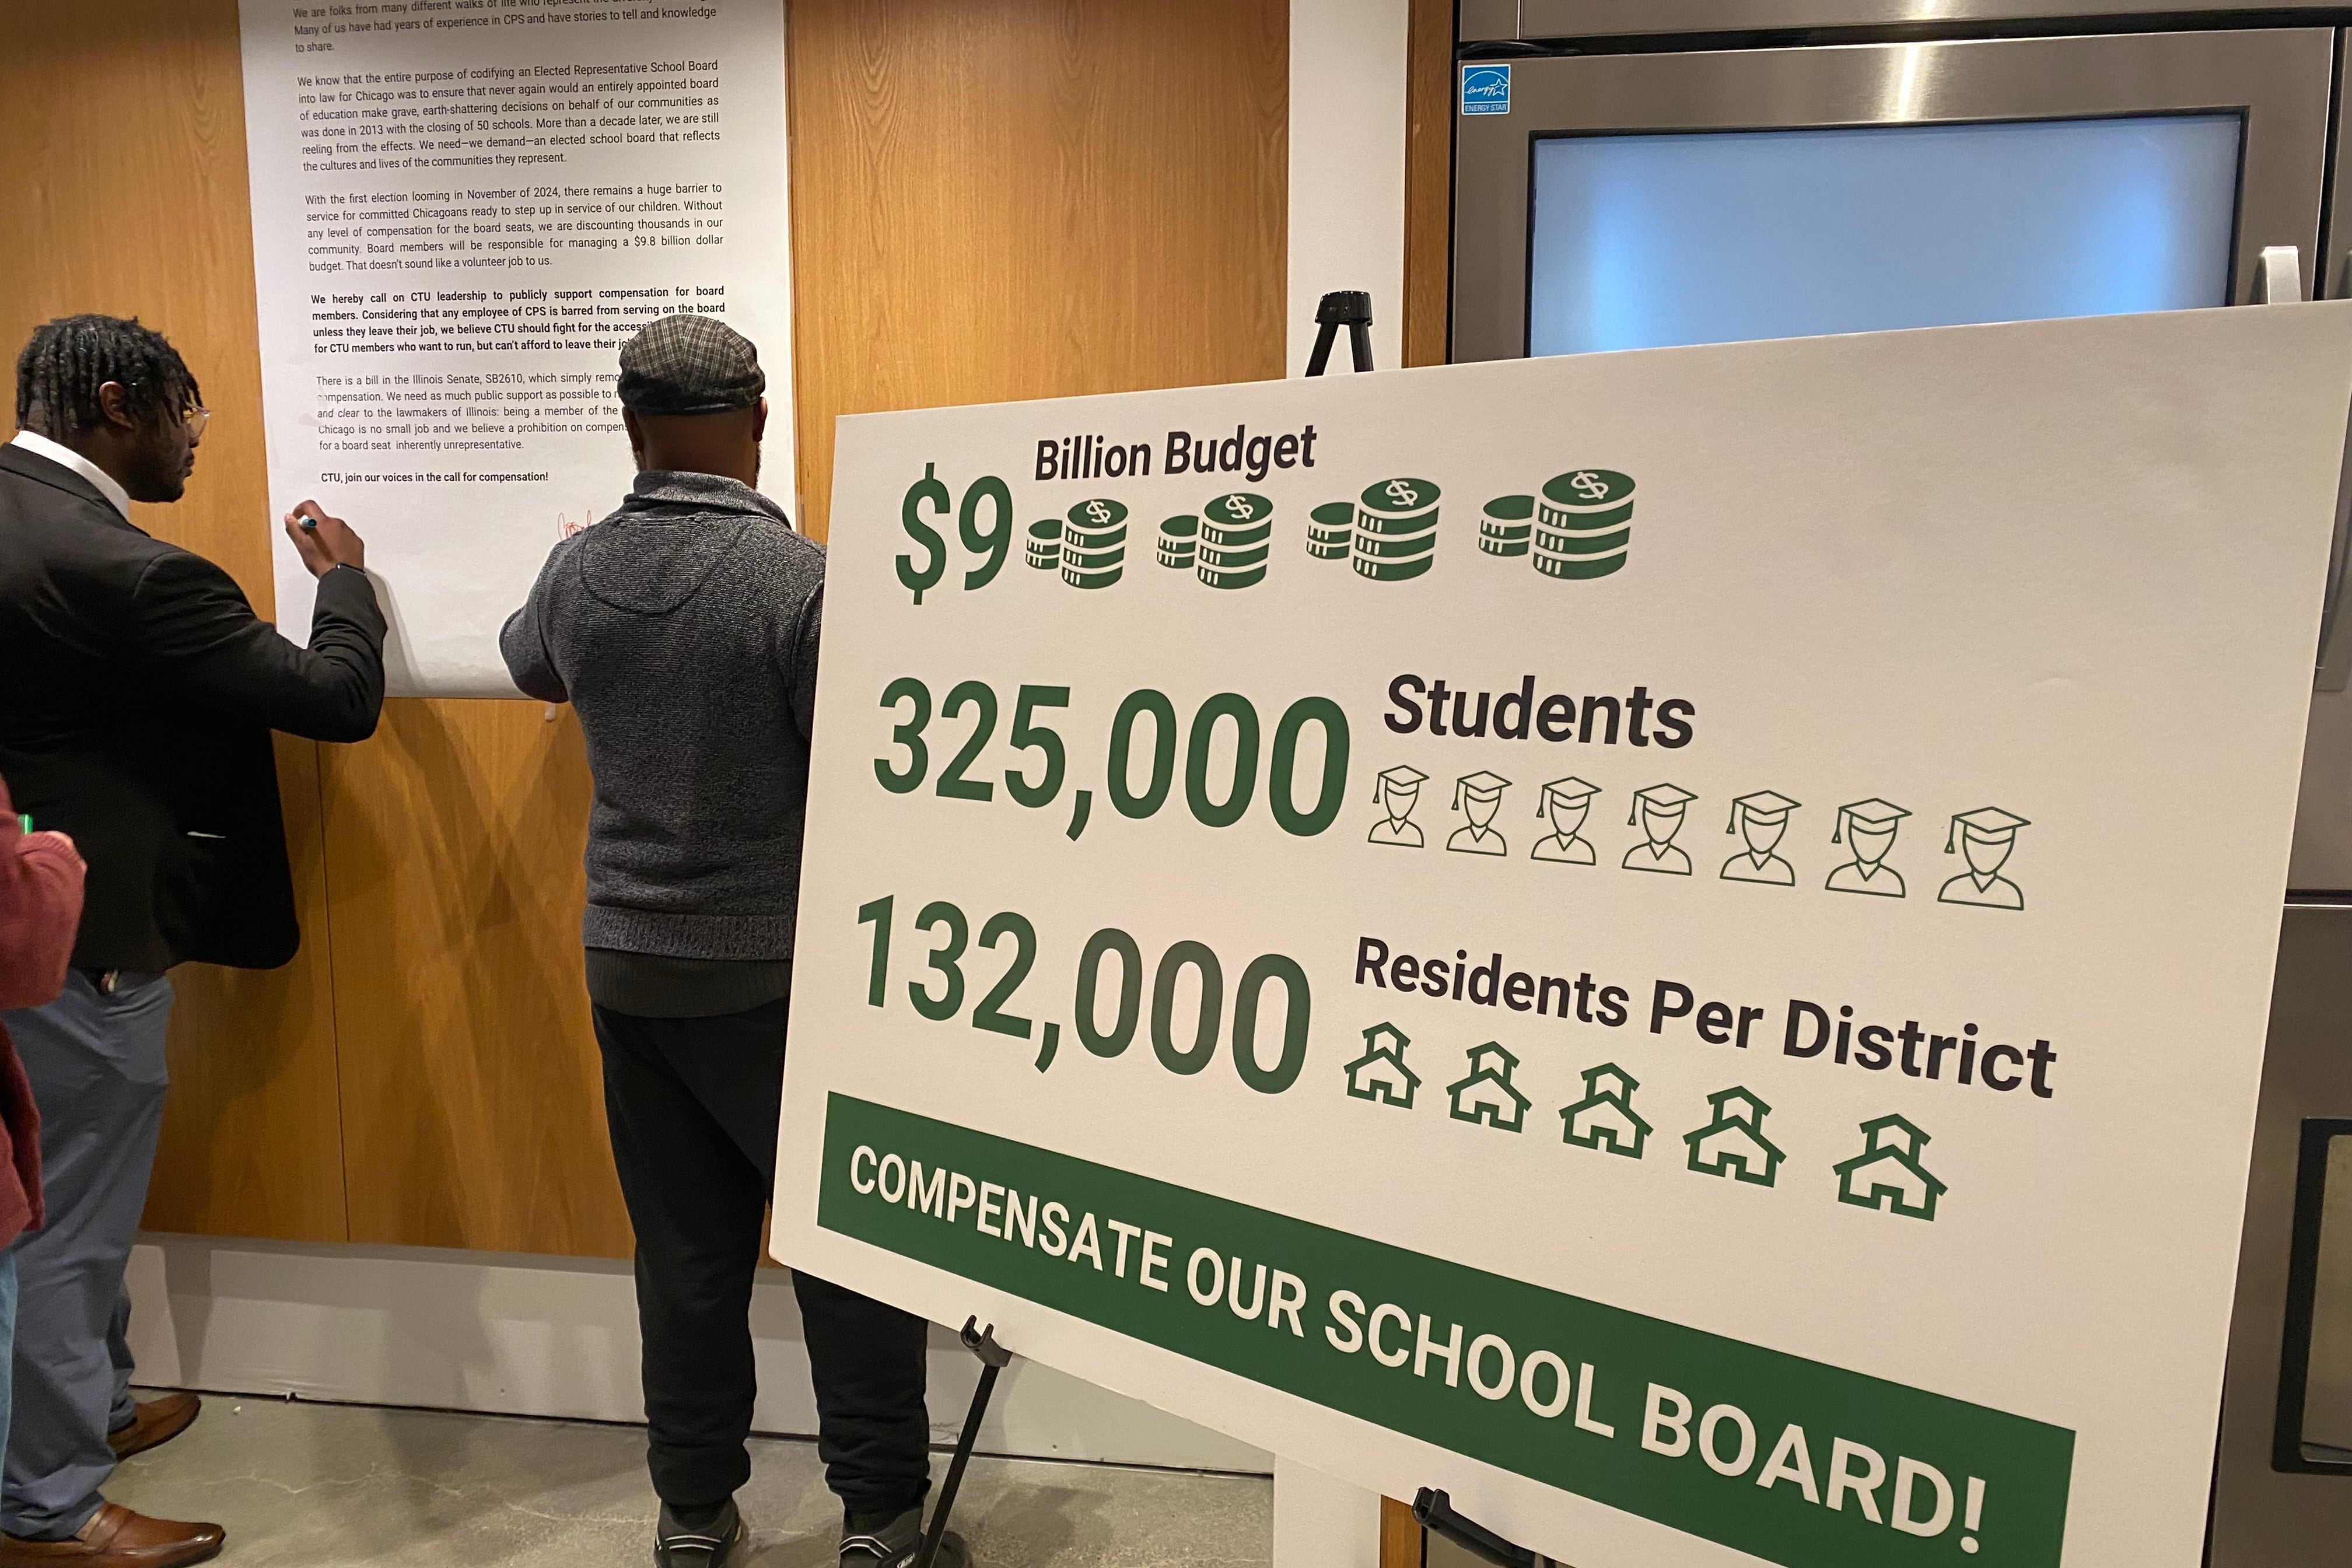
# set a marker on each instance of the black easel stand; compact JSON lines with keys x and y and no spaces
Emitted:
{"x":993,"y":1359}
{"x":1349,"y":307}
{"x":1434,"y":1510}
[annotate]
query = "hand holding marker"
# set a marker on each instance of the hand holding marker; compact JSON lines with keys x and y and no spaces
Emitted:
{"x":324,"y":543}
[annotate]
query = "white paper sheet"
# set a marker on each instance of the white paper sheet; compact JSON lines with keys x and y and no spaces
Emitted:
{"x":461,"y":208}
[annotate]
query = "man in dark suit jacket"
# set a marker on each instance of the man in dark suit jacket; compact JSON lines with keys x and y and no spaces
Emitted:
{"x":137,"y":693}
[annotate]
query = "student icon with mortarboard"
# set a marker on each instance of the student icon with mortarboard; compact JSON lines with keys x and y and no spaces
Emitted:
{"x":1761,"y":818}
{"x":1868,"y":828}
{"x":1480,"y":796}
{"x":1986,"y":835}
{"x":1398,"y":791}
{"x":1659,"y":810}
{"x":1565,"y":803}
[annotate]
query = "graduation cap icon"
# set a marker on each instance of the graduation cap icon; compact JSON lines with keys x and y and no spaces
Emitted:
{"x":1874,"y":814}
{"x":1480,"y":787}
{"x":1399,"y":780}
{"x":1765,"y":807}
{"x":1564,"y":794}
{"x":1665,"y":799}
{"x":1985,"y":825}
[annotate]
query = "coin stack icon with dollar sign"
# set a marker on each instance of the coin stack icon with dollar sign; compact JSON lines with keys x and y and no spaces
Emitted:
{"x":1179,"y":539}
{"x":1094,"y":544}
{"x":1045,"y":544}
{"x":1236,"y":537}
{"x":1330,"y":527}
{"x":1508,"y":525}
{"x":1396,"y":530}
{"x":1584,"y":523}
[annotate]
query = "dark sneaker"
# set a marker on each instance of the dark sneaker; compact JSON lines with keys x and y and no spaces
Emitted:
{"x":712,"y":1545}
{"x":864,"y":1545}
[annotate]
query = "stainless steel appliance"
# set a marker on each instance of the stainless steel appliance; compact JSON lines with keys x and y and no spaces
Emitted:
{"x":1638,"y":173}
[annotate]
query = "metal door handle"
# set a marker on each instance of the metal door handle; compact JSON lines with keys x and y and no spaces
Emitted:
{"x":2278,"y":276}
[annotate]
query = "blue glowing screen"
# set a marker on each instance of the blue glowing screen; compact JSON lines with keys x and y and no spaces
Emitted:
{"x":1721,"y":236}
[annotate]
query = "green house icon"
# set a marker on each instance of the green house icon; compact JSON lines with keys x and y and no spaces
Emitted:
{"x":1734,"y":1144}
{"x":1379,"y":1075}
{"x":1887,"y":1174}
{"x":1604,"y":1120}
{"x":1486,"y":1095}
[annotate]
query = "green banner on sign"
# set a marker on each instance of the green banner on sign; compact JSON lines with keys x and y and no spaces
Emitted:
{"x":1792,"y":1460}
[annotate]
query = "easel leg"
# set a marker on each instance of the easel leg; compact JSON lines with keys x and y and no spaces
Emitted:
{"x":1321,"y":357}
{"x":993,"y":1359}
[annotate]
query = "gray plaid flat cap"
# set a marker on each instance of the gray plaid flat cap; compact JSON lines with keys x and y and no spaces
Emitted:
{"x":689,"y":365}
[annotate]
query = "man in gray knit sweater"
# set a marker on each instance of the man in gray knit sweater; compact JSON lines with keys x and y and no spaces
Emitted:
{"x":683,"y":630}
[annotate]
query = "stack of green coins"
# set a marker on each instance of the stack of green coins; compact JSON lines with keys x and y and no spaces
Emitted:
{"x":1396,"y":530}
{"x":1045,"y":544}
{"x":1584,"y":523}
{"x":1236,"y":537}
{"x":1179,"y":538}
{"x":1507,"y":527}
{"x":1094,"y":544}
{"x":1329,"y":527}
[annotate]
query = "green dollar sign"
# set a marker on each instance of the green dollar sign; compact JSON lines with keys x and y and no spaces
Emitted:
{"x":919,"y":578}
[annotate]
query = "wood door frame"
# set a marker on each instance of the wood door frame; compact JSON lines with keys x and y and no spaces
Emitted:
{"x":1402,"y":1544}
{"x":1428,"y":180}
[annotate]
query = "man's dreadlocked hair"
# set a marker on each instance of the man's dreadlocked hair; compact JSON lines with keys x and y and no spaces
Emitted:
{"x":61,"y":371}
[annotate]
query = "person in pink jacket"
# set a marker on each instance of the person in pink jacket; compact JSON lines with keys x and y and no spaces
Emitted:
{"x":40,"y":907}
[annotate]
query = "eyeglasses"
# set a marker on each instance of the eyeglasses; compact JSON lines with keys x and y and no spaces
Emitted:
{"x":198,"y":418}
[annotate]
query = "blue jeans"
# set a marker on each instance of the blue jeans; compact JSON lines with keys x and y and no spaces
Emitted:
{"x":95,"y":1056}
{"x":7,"y":1338}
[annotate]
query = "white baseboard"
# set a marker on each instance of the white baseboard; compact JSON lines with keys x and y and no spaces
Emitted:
{"x":519,"y":1335}
{"x":1322,"y":1522}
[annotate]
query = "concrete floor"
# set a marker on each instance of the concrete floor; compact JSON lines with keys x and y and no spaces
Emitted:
{"x":329,"y":1486}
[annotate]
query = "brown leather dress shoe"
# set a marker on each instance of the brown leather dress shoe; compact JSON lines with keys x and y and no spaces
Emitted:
{"x":158,"y":1422}
{"x":117,"y":1538}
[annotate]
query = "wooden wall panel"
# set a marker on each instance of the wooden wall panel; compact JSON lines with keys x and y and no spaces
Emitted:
{"x":1025,"y":199}
{"x":1030,"y":198}
{"x":122,"y":174}
{"x":1010,"y":203}
{"x":473,"y":1102}
{"x":253,"y":1128}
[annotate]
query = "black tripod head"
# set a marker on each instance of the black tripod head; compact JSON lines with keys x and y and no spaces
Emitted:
{"x":1349,"y":307}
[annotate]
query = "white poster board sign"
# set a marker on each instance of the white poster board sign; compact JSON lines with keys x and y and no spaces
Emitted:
{"x":461,"y":209}
{"x":1676,"y":943}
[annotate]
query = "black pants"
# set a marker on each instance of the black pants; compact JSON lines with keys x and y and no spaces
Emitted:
{"x":693,"y":1104}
